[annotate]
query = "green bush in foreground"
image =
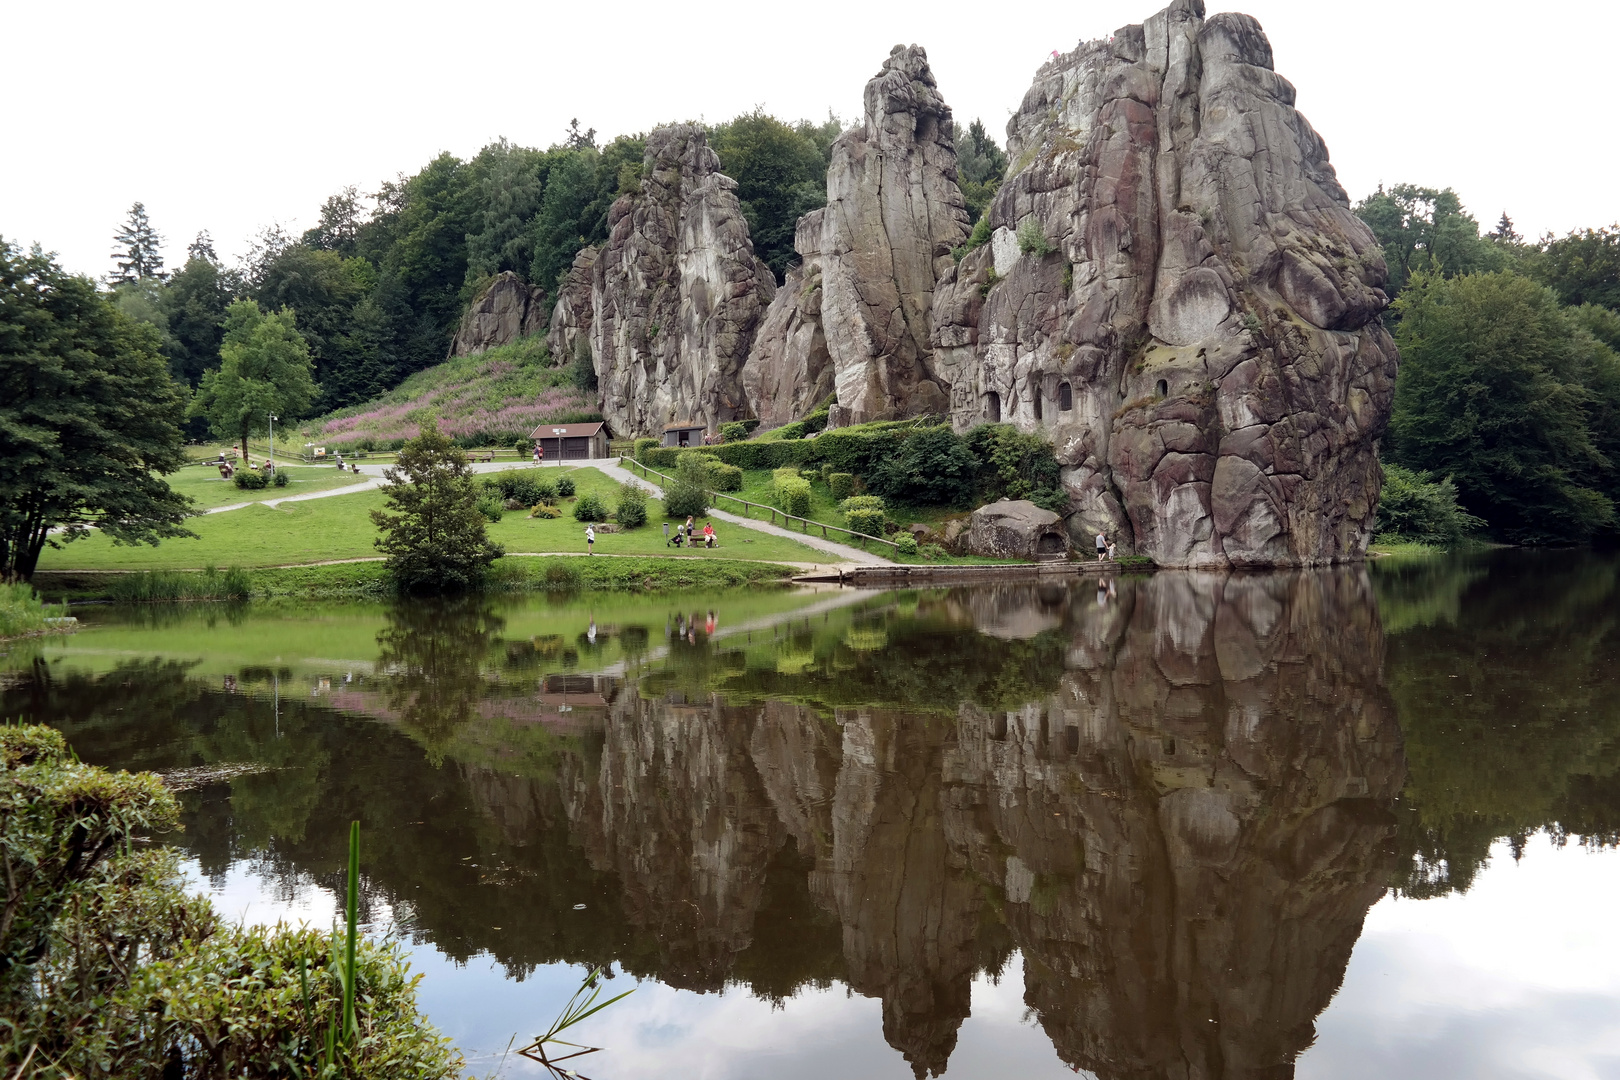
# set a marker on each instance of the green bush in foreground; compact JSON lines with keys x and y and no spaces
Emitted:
{"x":590,"y":507}
{"x":906,"y":544}
{"x":108,"y":968}
{"x":250,"y":480}
{"x":23,"y":612}
{"x":870,"y":522}
{"x":791,"y":491}
{"x":723,"y":477}
{"x":840,"y":484}
{"x":734,"y":431}
{"x":631,"y":511}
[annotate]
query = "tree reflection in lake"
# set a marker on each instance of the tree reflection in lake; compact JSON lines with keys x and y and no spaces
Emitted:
{"x":1177,"y":798}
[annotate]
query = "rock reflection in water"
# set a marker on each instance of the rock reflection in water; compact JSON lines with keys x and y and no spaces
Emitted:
{"x":1182,"y":834}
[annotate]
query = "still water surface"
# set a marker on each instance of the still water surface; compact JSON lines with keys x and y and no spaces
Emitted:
{"x":1331,"y":824}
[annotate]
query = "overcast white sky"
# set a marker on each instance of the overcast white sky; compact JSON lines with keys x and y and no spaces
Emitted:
{"x":228,"y":116}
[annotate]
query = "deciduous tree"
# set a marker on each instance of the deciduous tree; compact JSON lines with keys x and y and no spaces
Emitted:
{"x":89,"y":417}
{"x":264,"y":368}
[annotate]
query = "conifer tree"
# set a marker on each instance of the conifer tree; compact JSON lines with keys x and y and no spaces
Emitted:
{"x":137,"y":256}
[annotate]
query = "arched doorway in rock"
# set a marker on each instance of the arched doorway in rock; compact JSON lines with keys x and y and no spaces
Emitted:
{"x":1065,"y":397}
{"x":992,"y":407}
{"x":1164,"y":388}
{"x":1035,"y":397}
{"x":1049,"y":544}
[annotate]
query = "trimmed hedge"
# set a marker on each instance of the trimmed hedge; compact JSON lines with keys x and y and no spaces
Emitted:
{"x":642,"y":447}
{"x":861,"y":502}
{"x":841,"y":484}
{"x":734,"y":431}
{"x":723,"y":477}
{"x":870,"y":522}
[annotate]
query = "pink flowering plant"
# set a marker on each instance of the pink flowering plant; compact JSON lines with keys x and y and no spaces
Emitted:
{"x":491,"y":399}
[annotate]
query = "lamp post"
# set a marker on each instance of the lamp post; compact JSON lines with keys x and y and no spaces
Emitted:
{"x":272,"y":441}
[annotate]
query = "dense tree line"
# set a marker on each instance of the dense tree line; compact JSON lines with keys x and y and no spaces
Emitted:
{"x":1510,"y":367}
{"x":377,"y":286}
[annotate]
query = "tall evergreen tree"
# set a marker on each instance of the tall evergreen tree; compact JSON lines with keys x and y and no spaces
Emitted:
{"x":433,"y":532}
{"x":202,"y":248}
{"x":138,"y":255}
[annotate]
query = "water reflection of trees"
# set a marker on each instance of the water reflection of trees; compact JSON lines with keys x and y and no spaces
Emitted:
{"x":1509,"y":698}
{"x":1177,"y":800}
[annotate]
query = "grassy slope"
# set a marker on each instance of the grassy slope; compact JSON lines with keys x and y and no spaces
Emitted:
{"x":503,"y":393}
{"x":340,"y":528}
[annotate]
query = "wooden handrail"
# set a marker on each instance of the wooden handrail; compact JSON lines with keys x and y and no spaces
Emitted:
{"x":786,"y":517}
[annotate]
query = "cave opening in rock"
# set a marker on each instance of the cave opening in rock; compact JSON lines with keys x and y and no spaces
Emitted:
{"x":1049,"y":544}
{"x":1036,"y":401}
{"x":1065,"y":397}
{"x":1164,"y":388}
{"x":992,"y":407}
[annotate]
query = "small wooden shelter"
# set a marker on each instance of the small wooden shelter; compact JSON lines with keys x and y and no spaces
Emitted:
{"x":684,"y":433}
{"x":572,"y":442}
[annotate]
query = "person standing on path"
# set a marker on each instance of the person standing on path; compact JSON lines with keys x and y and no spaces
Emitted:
{"x":689,"y":530}
{"x":590,"y":540}
{"x":539,"y":454}
{"x":1102,"y":545}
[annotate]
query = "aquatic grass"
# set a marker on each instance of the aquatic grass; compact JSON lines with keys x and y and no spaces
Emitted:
{"x":153,"y":586}
{"x":22,"y":611}
{"x":580,"y":1007}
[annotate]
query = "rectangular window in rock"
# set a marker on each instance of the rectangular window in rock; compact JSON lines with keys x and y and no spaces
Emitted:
{"x":1065,"y":397}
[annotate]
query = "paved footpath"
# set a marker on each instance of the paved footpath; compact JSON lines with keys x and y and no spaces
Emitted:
{"x":610,"y":466}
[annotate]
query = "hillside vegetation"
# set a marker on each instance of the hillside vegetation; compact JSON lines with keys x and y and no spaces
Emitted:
{"x":492,"y":399}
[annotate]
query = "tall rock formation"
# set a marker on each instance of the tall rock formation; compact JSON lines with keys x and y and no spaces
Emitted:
{"x":862,"y":299}
{"x":1178,"y":295}
{"x":506,"y":310}
{"x":570,"y":335}
{"x":676,"y":292}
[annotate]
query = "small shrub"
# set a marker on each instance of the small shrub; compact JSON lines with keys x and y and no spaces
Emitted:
{"x":250,"y":480}
{"x":907,"y":544}
{"x":565,"y":487}
{"x":869,"y":522}
{"x":522,"y":446}
{"x":931,"y":552}
{"x":1032,"y":239}
{"x":644,"y":445}
{"x":632,"y":509}
{"x":280,"y":480}
{"x":792,"y":431}
{"x":793,"y":495}
{"x":840,"y":484}
{"x":546,"y":511}
{"x":590,"y":508}
{"x":688,"y":494}
{"x":492,"y":507}
{"x":734,"y":431}
{"x":861,"y":502}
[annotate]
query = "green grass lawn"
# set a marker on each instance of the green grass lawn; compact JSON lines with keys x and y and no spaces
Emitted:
{"x":340,"y":528}
{"x":207,"y":489}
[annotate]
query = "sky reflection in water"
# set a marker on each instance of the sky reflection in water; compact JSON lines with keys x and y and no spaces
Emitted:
{"x":1005,"y":830}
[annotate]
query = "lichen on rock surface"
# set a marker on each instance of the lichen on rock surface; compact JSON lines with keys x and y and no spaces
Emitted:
{"x":1197,"y":330}
{"x":676,"y":292}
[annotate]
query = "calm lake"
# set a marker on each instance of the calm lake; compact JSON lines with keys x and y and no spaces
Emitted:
{"x":1349,"y":823}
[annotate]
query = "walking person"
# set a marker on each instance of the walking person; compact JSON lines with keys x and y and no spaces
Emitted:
{"x":590,"y":540}
{"x":538,"y":453}
{"x":1102,"y":545}
{"x":689,"y":530}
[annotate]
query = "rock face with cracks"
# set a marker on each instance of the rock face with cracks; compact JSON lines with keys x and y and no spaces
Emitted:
{"x":676,"y":292}
{"x":506,"y":310}
{"x":861,"y":302}
{"x":1016,"y":529}
{"x":1177,"y":294}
